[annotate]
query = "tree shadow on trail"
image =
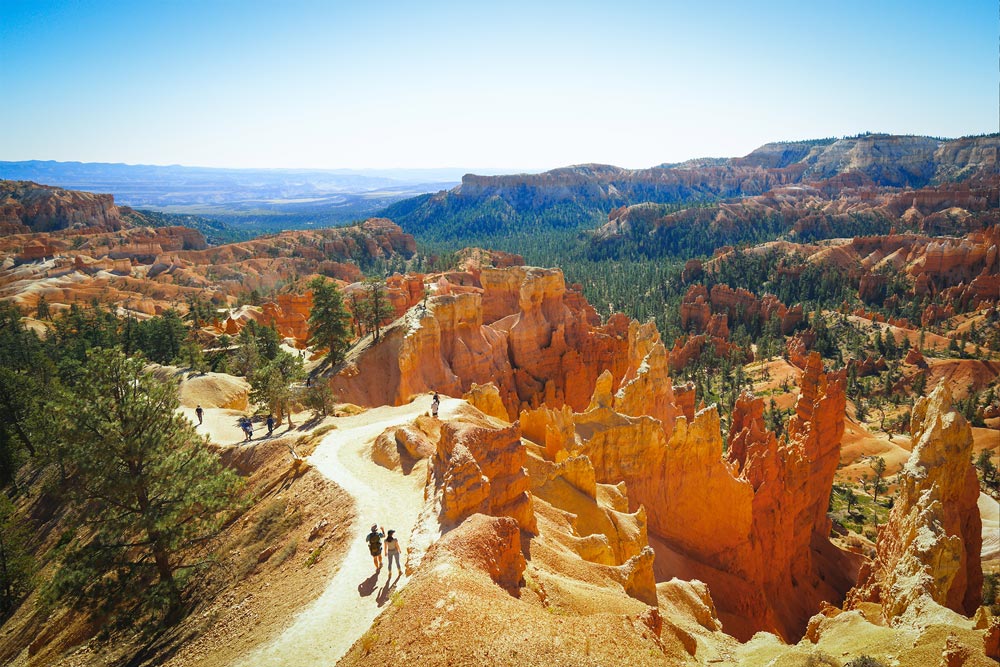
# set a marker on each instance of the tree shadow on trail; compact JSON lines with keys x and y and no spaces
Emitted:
{"x":367,"y":587}
{"x":387,"y":589}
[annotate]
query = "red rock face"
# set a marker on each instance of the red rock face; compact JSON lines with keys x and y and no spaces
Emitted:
{"x":784,"y":552}
{"x":695,"y":309}
{"x":687,"y":349}
{"x":915,"y":358}
{"x":729,"y":305}
{"x":289,"y":315}
{"x":29,"y":207}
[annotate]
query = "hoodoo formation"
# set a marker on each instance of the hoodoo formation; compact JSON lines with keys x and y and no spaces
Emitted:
{"x":930,"y":551}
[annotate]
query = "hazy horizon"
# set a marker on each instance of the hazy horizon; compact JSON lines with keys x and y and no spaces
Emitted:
{"x":518,"y":87}
{"x":481,"y":170}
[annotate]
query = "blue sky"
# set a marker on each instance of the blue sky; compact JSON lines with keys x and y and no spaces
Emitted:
{"x":502,"y":84}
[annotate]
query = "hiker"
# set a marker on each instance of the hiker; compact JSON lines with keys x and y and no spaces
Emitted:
{"x":374,"y":540}
{"x":392,"y":550}
{"x":247,"y":427}
{"x":435,"y":402}
{"x":270,"y":425}
{"x":201,"y":414}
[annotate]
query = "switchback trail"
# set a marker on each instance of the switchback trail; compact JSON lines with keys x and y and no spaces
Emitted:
{"x":324,"y":631}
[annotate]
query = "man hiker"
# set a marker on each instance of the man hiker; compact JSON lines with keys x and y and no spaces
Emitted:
{"x":201,"y":414}
{"x":270,"y":425}
{"x":435,"y":402}
{"x":374,"y":540}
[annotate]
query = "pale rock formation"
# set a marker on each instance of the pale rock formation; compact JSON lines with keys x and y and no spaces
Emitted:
{"x":604,"y":532}
{"x":486,"y":399}
{"x":636,"y":576}
{"x":553,"y":429}
{"x":929,"y":550}
{"x":400,"y":447}
{"x":215,"y":390}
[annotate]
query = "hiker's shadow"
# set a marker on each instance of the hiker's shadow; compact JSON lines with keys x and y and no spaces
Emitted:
{"x":387,"y":589}
{"x":367,"y":587}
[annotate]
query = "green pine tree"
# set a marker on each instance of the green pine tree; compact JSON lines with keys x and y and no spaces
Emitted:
{"x":329,"y":321}
{"x":377,"y":306}
{"x":270,"y":385}
{"x":42,"y":310}
{"x":17,"y":567}
{"x":146,"y":490}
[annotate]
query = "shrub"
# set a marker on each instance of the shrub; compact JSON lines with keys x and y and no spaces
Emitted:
{"x":865,"y":661}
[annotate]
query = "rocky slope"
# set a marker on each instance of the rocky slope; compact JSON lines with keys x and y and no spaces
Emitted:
{"x":845,"y":205}
{"x":886,"y":159}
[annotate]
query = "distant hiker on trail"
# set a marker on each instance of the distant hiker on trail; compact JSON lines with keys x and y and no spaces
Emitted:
{"x":201,"y":414}
{"x":374,"y":540}
{"x":247,"y":427}
{"x":270,"y":425}
{"x":392,"y":550}
{"x":435,"y":402}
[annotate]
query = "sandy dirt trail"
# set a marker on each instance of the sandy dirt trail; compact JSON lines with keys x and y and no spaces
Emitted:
{"x":220,"y":425}
{"x":323,"y":632}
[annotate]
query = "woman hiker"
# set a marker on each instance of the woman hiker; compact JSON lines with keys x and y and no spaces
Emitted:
{"x":392,"y":550}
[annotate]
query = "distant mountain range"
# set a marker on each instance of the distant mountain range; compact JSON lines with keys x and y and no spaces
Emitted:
{"x":581,"y":197}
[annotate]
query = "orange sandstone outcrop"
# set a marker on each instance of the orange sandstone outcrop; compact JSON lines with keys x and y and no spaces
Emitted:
{"x":553,"y":429}
{"x":702,"y":311}
{"x":688,"y":348}
{"x":929,"y":550}
{"x":480,"y":469}
{"x":915,"y":358}
{"x":289,"y":315}
{"x":489,"y":543}
{"x":753,"y":527}
{"x":523,"y":332}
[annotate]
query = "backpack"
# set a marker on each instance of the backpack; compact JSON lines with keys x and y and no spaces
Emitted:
{"x":374,"y":541}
